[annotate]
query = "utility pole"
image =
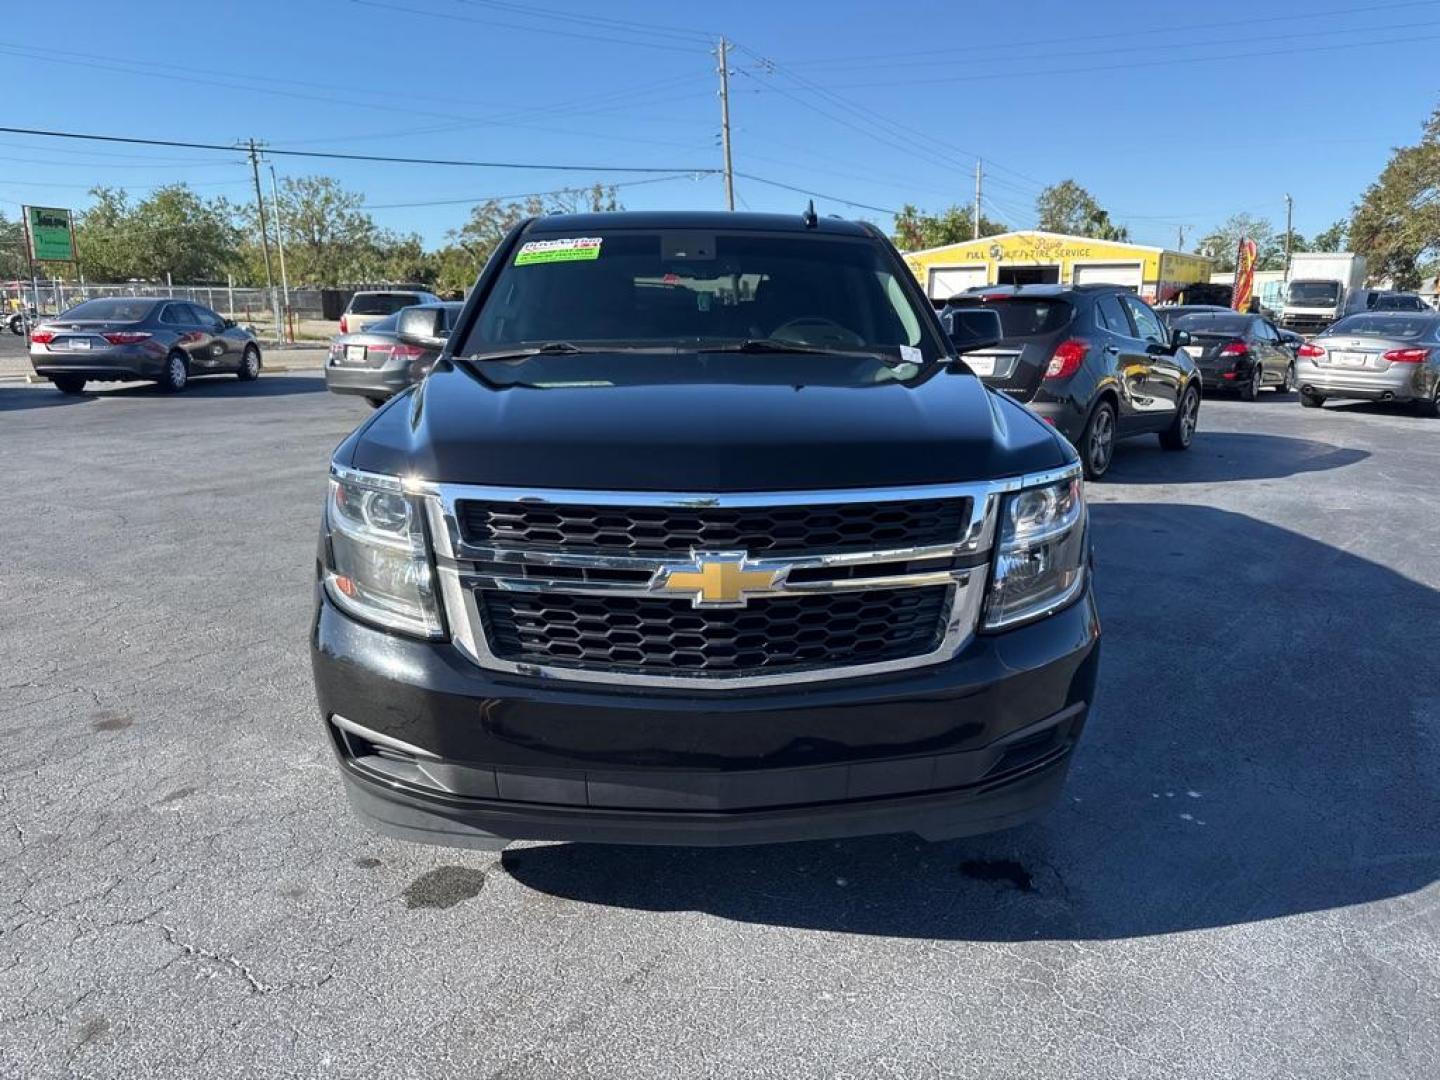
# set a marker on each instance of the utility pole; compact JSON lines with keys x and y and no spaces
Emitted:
{"x":1179,"y":237}
{"x":280,"y":238}
{"x":725,"y":124}
{"x":978,"y":175}
{"x":264,"y":235}
{"x":1289,"y":208}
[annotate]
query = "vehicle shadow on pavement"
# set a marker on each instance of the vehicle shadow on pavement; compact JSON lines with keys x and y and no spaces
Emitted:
{"x":223,"y":386}
{"x":36,"y":397}
{"x":1216,"y":456}
{"x":1266,"y":743}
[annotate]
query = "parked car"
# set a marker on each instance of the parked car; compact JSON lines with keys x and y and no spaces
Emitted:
{"x":1238,"y":352}
{"x":365,"y":308}
{"x":699,"y":532}
{"x":167,"y":341}
{"x":1399,"y":301}
{"x":387,"y":356}
{"x":1093,"y":360}
{"x":1373,"y":357}
{"x":1171,"y":312}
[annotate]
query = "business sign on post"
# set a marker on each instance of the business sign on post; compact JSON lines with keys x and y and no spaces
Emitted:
{"x":51,"y":234}
{"x":1245,"y":257}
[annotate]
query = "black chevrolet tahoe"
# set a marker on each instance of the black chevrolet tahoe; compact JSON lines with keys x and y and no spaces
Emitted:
{"x":700,"y":532}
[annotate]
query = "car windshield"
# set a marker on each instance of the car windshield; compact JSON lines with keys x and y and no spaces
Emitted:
{"x":1216,"y":322}
{"x":696,"y":290}
{"x":1314,"y":293}
{"x":1398,"y":302}
{"x":1383,"y":326}
{"x":1170,"y":315}
{"x":1025,"y":317}
{"x":112,"y":309}
{"x":381,"y":303}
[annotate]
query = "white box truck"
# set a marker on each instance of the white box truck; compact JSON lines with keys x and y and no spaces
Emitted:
{"x":1319,"y":289}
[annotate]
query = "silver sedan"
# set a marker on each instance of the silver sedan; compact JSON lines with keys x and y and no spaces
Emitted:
{"x":1376,"y":356}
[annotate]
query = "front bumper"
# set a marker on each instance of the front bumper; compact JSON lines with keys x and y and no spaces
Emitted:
{"x":435,"y":749}
{"x":369,"y":382}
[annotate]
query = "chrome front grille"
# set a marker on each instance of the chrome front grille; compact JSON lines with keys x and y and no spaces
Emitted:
{"x":679,"y":530}
{"x":615,"y":587}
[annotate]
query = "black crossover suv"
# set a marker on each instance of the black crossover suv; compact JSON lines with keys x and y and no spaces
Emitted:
{"x":699,"y":532}
{"x":1093,"y":360}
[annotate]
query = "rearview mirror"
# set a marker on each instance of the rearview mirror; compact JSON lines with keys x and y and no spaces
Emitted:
{"x":421,"y":323}
{"x":972,"y":328}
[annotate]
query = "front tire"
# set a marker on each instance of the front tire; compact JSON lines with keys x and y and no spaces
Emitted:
{"x":69,"y":384}
{"x":249,"y":365}
{"x":1097,"y":442}
{"x":176,"y":373}
{"x":17,"y":324}
{"x":1181,"y":431}
{"x":1430,"y":407}
{"x":1311,"y":401}
{"x":1288,"y":382}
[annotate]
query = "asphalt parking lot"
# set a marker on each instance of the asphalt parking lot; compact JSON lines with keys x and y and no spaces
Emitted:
{"x":1241,"y":881}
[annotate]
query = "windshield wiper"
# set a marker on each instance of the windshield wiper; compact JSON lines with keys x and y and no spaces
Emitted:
{"x":776,"y":345}
{"x":550,"y":348}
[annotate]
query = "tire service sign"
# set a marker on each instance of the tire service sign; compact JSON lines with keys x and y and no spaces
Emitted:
{"x":51,"y":234}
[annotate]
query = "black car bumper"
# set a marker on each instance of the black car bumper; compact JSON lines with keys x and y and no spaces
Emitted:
{"x":112,"y":365}
{"x":367,"y":382}
{"x":435,"y":749}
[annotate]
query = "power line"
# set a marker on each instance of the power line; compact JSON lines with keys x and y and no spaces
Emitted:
{"x":595,"y":20}
{"x":814,"y":194}
{"x":337,"y":156}
{"x":548,"y":31}
{"x":524,"y":194}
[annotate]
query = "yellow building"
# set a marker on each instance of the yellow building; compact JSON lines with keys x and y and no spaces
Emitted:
{"x":1042,"y":258}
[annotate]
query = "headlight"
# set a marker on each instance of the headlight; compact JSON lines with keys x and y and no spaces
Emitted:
{"x":379,"y":568}
{"x":1040,"y":555}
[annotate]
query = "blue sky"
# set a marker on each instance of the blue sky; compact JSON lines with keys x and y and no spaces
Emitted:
{"x":1172,"y":115}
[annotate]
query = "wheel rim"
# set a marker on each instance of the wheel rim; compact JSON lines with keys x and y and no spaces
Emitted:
{"x":1189,"y":417}
{"x":1256,"y":379}
{"x":252,"y":364}
{"x":1102,"y":440}
{"x":177,"y":372}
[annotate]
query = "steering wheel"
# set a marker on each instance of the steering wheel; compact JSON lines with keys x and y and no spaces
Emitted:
{"x":817,"y":331}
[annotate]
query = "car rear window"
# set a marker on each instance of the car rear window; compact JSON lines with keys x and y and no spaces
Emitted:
{"x":112,"y":309}
{"x":1213,"y":323}
{"x":1027,"y":317}
{"x":381,"y":303}
{"x":1384,"y":326}
{"x":387,"y":325}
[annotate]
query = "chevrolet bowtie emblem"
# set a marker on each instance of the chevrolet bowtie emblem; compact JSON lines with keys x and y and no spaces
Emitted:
{"x":719,"y":580}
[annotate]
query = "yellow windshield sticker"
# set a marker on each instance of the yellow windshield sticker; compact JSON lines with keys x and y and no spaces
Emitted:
{"x":570,"y":249}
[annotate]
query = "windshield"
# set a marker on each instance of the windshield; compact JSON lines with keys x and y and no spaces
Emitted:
{"x":112,"y":309}
{"x":1383,"y":326}
{"x":1026,"y":317}
{"x":1399,"y":302}
{"x":688,"y":289}
{"x":1213,"y":323}
{"x":1170,"y":315}
{"x":1314,"y":293}
{"x":381,"y":303}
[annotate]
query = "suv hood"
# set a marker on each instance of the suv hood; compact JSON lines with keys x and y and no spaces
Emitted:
{"x":706,"y":435}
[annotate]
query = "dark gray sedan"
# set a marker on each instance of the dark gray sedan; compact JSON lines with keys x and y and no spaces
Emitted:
{"x":166,"y":341}
{"x":387,"y":356}
{"x":1377,"y":356}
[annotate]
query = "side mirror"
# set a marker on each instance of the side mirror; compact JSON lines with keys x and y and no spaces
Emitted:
{"x":229,"y":323}
{"x":422,"y":324}
{"x":972,"y":328}
{"x":1180,"y":338}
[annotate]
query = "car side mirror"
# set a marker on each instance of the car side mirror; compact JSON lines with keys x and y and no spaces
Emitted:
{"x":972,"y":329}
{"x":229,"y":324}
{"x":1180,"y":338}
{"x":421,"y":324}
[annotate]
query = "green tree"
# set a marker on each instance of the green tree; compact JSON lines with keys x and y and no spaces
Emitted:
{"x":916,"y":230}
{"x":1396,"y":226}
{"x":14,"y":262}
{"x":1068,"y":208}
{"x":473,"y":243}
{"x":329,"y":238}
{"x":170,"y":231}
{"x":1335,"y":238}
{"x":1222,"y":243}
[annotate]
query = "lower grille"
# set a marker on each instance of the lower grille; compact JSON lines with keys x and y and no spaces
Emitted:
{"x":664,"y":636}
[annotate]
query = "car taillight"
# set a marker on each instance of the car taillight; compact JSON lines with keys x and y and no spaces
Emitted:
{"x":1407,"y":356}
{"x":125,"y":337}
{"x":406,"y":352}
{"x":1235,"y":348}
{"x":1309,"y":350}
{"x":42,"y":337}
{"x":1067,"y":358}
{"x":344,"y":325}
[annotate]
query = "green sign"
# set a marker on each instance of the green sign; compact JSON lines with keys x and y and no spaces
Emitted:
{"x":52,"y":239}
